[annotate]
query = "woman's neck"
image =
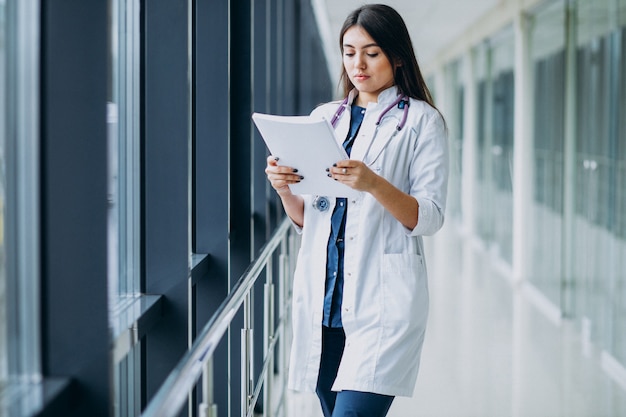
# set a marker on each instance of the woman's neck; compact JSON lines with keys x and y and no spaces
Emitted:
{"x":362,"y":99}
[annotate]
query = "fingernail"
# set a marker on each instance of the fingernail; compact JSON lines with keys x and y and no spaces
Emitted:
{"x":327,"y":169}
{"x":301,"y":177}
{"x":275,"y":158}
{"x":330,"y":175}
{"x":295,"y":170}
{"x":334,"y":165}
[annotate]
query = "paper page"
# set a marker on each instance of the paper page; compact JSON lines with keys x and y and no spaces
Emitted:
{"x":309,"y":145}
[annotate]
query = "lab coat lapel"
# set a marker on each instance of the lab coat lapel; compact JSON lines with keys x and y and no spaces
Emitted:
{"x":368,"y":151}
{"x":343,"y":124}
{"x":342,"y":128}
{"x":373,"y":139}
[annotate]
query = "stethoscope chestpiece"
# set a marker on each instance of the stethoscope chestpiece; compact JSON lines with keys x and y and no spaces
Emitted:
{"x":321,"y":203}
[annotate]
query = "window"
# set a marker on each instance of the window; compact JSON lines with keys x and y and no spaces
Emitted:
{"x":495,"y":96}
{"x":124,"y":201}
{"x":454,"y":114}
{"x":617,"y":338}
{"x":548,"y":60}
{"x":600,"y":166}
{"x":19,"y":190}
{"x":502,"y":108}
{"x":483,"y":196}
{"x":124,"y":148}
{"x":3,"y":268}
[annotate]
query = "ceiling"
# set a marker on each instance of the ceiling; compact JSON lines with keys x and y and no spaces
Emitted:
{"x":432,"y":23}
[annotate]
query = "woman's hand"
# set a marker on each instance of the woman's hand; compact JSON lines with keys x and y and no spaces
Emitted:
{"x":357,"y":175}
{"x":354,"y":174}
{"x":280,"y":176}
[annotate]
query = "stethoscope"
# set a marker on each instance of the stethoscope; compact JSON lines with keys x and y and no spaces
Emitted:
{"x":322,"y":203}
{"x":402,"y":101}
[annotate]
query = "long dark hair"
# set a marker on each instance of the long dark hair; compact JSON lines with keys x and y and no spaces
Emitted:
{"x":387,"y":28}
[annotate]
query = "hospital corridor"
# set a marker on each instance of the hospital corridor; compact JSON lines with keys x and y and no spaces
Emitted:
{"x":491,"y":350}
{"x":148,"y":267}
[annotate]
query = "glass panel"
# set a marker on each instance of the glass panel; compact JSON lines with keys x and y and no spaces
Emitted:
{"x":455,"y":125}
{"x":483,"y":195}
{"x":617,"y":338}
{"x":124,"y":191}
{"x":494,"y":72}
{"x":19,"y":168}
{"x":548,"y":60}
{"x":502,"y":97}
{"x":600,"y":158}
{"x":123,"y":131}
{"x":127,"y":385}
{"x":592,"y":135}
{"x":3,"y":132}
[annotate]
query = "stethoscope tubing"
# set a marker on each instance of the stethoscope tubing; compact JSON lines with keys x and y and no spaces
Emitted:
{"x":402,"y":98}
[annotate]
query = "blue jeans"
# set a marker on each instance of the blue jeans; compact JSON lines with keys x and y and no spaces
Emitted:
{"x":344,"y":403}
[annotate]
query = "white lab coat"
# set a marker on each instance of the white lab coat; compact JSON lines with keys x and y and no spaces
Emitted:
{"x":385,"y":295}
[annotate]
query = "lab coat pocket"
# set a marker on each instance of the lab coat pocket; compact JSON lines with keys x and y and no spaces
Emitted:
{"x":403,"y":288}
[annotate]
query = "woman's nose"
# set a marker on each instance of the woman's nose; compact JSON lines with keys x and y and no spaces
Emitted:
{"x":359,"y":62}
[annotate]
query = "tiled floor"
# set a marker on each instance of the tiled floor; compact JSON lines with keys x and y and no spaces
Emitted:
{"x":489,"y":352}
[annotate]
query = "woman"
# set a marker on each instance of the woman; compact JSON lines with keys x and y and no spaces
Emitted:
{"x":360,"y":296}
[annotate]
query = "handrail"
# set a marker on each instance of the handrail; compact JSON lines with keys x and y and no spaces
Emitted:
{"x":173,"y":394}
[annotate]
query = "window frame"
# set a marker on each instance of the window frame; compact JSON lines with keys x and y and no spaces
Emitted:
{"x":23,"y":185}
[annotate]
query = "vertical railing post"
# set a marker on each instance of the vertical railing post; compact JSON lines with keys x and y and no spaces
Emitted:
{"x":207,"y":407}
{"x":283,"y":273}
{"x":198,"y":362}
{"x":246,"y":355}
{"x":268,"y":324}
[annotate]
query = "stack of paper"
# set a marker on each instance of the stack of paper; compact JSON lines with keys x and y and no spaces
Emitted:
{"x":309,"y":145}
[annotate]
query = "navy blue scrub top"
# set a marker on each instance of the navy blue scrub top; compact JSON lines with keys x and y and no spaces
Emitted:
{"x":334,"y":259}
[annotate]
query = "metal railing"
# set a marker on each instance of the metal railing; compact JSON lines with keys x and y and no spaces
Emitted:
{"x":197,"y":361}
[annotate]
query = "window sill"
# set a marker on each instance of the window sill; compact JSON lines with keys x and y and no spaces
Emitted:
{"x":199,"y":266}
{"x":47,"y":398}
{"x":134,"y":317}
{"x":133,"y":321}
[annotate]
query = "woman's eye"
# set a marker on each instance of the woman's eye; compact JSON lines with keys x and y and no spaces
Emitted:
{"x":374,"y":55}
{"x":349,"y":54}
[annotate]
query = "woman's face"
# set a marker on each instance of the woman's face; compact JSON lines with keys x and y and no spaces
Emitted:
{"x":367,"y":66}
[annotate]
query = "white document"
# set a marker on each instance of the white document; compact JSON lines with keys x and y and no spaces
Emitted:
{"x":309,"y":145}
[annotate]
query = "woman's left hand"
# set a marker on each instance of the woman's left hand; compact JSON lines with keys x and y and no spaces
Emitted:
{"x":354,"y":174}
{"x":357,"y":175}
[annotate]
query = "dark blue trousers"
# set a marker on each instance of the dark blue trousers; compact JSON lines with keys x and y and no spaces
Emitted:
{"x":344,"y":403}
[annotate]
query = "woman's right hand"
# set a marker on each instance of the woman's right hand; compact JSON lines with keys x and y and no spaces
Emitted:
{"x":281,"y":176}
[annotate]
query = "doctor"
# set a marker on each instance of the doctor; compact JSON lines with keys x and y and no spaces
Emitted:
{"x":360,"y":293}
